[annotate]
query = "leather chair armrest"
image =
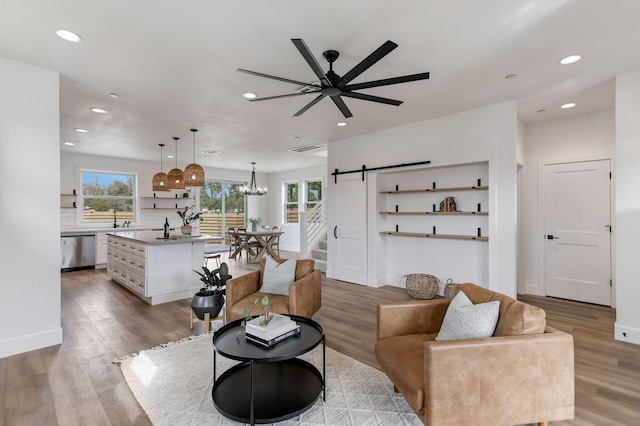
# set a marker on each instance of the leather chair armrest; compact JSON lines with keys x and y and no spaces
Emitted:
{"x":241,"y":287}
{"x":412,"y":317}
{"x":502,"y":380}
{"x":305,"y":295}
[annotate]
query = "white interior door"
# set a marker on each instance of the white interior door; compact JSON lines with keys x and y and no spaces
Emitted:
{"x":350,"y":229}
{"x":578,"y":232}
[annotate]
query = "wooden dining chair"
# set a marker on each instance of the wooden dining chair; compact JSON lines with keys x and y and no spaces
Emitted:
{"x":233,"y":241}
{"x":276,"y":243}
{"x":246,"y":245}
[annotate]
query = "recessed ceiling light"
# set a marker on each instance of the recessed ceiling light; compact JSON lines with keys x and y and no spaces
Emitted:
{"x":69,"y":36}
{"x":99,"y":110}
{"x":114,"y":95}
{"x":69,"y":143}
{"x":169,"y":156}
{"x":569,"y":105}
{"x":82,"y":131}
{"x":510,"y":76}
{"x":341,"y":124}
{"x":249,"y":95}
{"x":570,"y":59}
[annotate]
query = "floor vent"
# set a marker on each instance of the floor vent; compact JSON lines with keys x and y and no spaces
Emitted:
{"x":305,"y":148}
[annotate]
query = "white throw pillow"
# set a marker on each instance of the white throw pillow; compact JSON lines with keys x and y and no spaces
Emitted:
{"x":278,"y":276}
{"x":464,"y":320}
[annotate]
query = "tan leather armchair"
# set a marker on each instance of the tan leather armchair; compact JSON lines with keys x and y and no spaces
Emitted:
{"x":523,"y":374}
{"x":305,"y":296}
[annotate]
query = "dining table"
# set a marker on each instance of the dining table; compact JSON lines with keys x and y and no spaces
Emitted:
{"x":265,"y":240}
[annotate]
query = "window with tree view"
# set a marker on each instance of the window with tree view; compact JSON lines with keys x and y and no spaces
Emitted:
{"x":222,"y":208}
{"x":108,"y":196}
{"x":314,"y":193}
{"x":291,"y":205}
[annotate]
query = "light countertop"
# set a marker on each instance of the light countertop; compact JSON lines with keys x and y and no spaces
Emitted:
{"x":84,"y":231}
{"x":156,"y":237}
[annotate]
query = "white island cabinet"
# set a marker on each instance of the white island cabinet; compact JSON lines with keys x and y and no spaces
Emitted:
{"x":156,"y":269}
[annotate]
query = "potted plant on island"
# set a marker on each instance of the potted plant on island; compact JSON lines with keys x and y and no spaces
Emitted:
{"x":187,"y":219}
{"x":255,"y":222}
{"x":210,"y":298}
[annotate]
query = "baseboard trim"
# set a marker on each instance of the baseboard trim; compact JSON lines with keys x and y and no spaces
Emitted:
{"x":30,"y":342}
{"x":626,"y":334}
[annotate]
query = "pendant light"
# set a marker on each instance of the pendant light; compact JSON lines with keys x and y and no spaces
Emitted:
{"x":160,"y":179}
{"x":176,"y":177}
{"x":253,"y":188}
{"x":194,"y":173}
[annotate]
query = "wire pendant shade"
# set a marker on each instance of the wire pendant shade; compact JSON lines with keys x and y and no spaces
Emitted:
{"x":161,"y":179}
{"x":194,"y":173}
{"x":176,"y":177}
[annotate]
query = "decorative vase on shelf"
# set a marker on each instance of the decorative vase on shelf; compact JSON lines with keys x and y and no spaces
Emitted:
{"x":186,"y":230}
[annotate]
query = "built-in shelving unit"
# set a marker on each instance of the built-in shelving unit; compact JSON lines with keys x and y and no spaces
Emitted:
{"x":65,"y":200}
{"x":417,"y":191}
{"x":163,"y":202}
{"x":449,"y":236}
{"x":437,"y":213}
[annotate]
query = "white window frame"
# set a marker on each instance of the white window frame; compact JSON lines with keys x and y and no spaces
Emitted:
{"x":286,"y":203}
{"x":81,"y":196}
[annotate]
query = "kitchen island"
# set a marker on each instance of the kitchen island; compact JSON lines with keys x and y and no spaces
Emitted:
{"x":156,"y":269}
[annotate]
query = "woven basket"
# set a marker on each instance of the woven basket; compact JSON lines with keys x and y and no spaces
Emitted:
{"x":422,"y":286}
{"x":450,"y":289}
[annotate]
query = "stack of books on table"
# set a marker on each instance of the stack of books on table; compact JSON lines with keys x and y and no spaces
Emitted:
{"x":280,"y":328}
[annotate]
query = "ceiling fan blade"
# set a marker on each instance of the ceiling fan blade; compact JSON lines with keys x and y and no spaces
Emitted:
{"x":365,"y":97}
{"x":282,"y":96}
{"x":367,"y":62}
{"x":341,"y":106}
{"x":315,"y":66}
{"x":387,"y":81}
{"x":286,"y":80}
{"x":309,"y":105}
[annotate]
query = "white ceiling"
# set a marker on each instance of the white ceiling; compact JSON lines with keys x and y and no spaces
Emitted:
{"x":173,"y":64}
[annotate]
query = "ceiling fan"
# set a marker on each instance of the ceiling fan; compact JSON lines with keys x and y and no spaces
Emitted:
{"x":334,"y":86}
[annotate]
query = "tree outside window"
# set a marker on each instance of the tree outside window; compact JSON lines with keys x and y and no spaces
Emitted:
{"x":107,"y":196}
{"x":223,"y":207}
{"x":314,"y":193}
{"x":291,"y":204}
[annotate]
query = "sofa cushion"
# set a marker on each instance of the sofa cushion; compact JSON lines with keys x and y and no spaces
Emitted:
{"x":515,"y":318}
{"x":278,"y":276}
{"x":464,"y":320}
{"x":402,"y":359}
{"x":303,"y":267}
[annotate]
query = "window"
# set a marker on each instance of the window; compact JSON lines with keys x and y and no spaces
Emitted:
{"x":107,"y":196}
{"x":291,"y":203}
{"x":223,"y":207}
{"x":314,"y":193}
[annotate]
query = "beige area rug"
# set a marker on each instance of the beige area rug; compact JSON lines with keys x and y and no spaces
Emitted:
{"x":173,"y":385}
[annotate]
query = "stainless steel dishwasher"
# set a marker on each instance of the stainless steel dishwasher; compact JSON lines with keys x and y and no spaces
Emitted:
{"x":78,"y":252}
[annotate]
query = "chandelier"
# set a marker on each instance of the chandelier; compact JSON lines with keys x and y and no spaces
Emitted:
{"x":253,"y":189}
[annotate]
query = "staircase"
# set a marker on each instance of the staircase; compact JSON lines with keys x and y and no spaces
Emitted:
{"x":319,"y":254}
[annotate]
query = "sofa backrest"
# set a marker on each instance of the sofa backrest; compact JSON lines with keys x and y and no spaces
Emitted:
{"x":303,"y":267}
{"x":515,"y":317}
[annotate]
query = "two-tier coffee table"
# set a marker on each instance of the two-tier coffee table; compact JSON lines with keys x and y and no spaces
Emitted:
{"x":268,"y":385}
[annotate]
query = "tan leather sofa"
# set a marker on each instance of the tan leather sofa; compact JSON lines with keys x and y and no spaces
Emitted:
{"x":305,"y":296}
{"x":523,"y":374}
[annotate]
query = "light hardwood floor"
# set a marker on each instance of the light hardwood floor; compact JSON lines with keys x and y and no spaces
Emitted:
{"x":75,"y":383}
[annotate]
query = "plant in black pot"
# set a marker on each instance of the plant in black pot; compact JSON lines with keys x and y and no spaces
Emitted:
{"x":210,"y":298}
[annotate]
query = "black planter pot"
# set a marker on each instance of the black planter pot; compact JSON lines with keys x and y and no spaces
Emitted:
{"x":202,"y":303}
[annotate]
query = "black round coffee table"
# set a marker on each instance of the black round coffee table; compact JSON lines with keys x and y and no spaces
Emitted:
{"x":270,"y":384}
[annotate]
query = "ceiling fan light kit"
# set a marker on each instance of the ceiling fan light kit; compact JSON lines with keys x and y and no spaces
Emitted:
{"x":334,"y":86}
{"x":194,"y":173}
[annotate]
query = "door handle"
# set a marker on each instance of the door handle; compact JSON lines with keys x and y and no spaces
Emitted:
{"x":551,"y":237}
{"x":334,"y":232}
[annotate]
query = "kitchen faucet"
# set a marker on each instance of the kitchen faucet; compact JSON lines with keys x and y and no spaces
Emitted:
{"x":115,"y":225}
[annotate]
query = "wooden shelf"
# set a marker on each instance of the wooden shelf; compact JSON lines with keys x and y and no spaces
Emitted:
{"x":68,"y":207}
{"x":437,"y":213}
{"x":423,"y":235}
{"x":164,"y":198}
{"x":415,"y":191}
{"x":158,"y":208}
{"x":68,"y":195}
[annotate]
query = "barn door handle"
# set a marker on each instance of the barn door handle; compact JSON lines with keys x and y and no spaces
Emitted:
{"x":334,"y":232}
{"x":551,"y":237}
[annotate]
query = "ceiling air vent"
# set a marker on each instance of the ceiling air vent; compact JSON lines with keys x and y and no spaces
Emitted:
{"x":305,"y":148}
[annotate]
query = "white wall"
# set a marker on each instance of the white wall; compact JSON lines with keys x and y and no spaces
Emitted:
{"x":290,"y":240}
{"x":627,"y":208}
{"x":577,"y":138}
{"x":29,"y":208}
{"x":484,"y":134}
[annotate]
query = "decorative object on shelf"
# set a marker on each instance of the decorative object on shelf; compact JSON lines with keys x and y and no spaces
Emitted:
{"x":210,"y":298}
{"x":255,"y":222}
{"x":253,"y":188}
{"x":449,"y":289}
{"x":265,"y":316}
{"x":194,"y":173}
{"x":187,"y":219}
{"x":448,"y":205}
{"x":422,"y":286}
{"x":175,"y":176}
{"x":160,"y":180}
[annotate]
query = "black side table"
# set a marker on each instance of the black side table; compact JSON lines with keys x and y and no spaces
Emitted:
{"x":270,"y":384}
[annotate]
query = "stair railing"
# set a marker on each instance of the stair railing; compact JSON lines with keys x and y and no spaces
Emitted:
{"x":313,"y":225}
